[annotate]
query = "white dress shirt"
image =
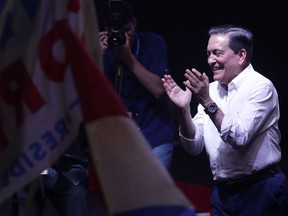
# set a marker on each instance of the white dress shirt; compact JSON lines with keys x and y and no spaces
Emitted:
{"x":249,"y":138}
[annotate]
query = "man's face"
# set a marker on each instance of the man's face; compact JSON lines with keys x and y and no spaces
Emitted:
{"x":225,"y":64}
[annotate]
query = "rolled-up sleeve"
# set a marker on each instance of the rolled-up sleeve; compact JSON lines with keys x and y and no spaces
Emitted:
{"x":192,"y":146}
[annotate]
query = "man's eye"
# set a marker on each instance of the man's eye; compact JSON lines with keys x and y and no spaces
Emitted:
{"x":218,"y":53}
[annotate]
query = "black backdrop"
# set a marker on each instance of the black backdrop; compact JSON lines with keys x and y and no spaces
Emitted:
{"x":184,"y":24}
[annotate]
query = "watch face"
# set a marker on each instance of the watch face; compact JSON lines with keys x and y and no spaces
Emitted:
{"x":211,"y":108}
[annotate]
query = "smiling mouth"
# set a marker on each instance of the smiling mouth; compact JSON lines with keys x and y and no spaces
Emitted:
{"x":216,"y":69}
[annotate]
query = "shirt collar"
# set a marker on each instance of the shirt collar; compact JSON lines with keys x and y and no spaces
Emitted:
{"x":238,"y":80}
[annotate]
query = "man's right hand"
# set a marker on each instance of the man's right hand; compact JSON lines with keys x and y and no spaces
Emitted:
{"x":103,"y":41}
{"x":178,"y":96}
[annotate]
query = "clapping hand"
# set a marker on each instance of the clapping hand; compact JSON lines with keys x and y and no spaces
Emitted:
{"x":181,"y":98}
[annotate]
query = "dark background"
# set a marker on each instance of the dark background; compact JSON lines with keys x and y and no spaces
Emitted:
{"x":184,"y":25}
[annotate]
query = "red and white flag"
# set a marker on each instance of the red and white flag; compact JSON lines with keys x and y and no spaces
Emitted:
{"x":39,"y":103}
{"x":50,"y":83}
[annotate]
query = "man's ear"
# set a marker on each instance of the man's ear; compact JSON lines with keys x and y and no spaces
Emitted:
{"x":242,"y":55}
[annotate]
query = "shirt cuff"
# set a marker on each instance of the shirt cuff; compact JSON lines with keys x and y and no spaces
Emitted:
{"x":185,"y":140}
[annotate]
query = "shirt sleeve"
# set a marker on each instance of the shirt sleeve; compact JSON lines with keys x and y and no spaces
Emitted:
{"x":196,"y":145}
{"x":258,"y":111}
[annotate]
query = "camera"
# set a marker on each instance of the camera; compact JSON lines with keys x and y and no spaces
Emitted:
{"x":116,"y":37}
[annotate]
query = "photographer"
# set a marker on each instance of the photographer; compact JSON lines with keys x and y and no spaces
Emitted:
{"x":134,"y":63}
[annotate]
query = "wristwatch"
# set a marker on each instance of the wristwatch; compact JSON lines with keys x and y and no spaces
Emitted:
{"x":211,"y":108}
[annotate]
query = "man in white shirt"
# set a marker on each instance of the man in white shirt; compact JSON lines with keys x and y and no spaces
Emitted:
{"x":237,"y":124}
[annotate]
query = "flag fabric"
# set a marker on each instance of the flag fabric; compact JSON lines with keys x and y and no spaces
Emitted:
{"x":39,"y":104}
{"x":50,"y":83}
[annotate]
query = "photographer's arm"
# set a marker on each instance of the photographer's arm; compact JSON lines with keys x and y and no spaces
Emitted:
{"x":149,"y":80}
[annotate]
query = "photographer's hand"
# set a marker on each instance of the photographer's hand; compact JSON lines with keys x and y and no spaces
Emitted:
{"x":103,"y":41}
{"x":124,"y":52}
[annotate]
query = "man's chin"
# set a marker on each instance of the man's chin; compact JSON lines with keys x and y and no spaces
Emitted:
{"x":216,"y":78}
